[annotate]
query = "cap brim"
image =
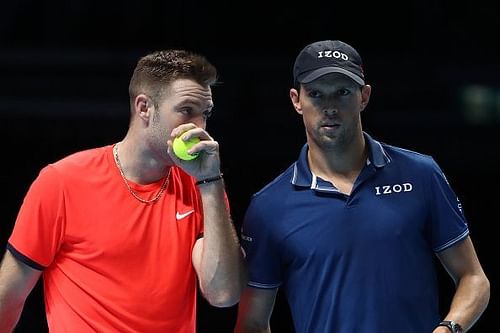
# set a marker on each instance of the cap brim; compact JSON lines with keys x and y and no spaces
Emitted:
{"x":317,"y":73}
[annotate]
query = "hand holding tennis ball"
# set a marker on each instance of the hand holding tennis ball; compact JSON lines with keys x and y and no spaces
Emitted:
{"x":181,"y":147}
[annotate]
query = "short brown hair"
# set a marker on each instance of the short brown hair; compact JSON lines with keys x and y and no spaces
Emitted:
{"x":155,"y":71}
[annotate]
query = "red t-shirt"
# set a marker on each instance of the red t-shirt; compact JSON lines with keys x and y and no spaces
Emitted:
{"x":111,"y":263}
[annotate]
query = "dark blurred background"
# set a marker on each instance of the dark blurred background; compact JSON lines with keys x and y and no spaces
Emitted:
{"x":434,"y":67}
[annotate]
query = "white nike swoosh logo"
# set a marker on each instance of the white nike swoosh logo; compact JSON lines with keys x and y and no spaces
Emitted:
{"x":179,"y":216}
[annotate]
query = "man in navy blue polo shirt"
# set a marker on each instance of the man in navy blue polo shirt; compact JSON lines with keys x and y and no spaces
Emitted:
{"x":350,"y":231}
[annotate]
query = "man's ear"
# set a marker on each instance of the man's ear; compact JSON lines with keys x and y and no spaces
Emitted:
{"x":294,"y":97}
{"x":366,"y":92}
{"x":142,"y":106}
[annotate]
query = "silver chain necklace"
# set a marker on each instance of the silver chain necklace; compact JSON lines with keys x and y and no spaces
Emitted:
{"x":134,"y":194}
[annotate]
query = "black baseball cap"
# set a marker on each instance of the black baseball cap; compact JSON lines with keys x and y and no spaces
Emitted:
{"x":328,"y":56}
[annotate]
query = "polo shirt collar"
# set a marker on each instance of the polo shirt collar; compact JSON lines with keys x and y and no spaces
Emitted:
{"x":302,"y":175}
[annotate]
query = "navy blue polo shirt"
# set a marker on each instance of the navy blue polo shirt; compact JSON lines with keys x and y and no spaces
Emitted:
{"x":363,"y":262}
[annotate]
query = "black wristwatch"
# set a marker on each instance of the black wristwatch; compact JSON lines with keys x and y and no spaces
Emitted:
{"x":452,"y":326}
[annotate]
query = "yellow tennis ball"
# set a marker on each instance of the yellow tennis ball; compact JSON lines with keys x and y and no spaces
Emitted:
{"x":181,"y":147}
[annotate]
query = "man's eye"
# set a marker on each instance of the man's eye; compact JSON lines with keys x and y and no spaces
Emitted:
{"x":343,"y":92}
{"x":314,"y":94}
{"x":207,"y":113}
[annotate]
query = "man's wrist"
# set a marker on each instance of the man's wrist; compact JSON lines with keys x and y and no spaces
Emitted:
{"x":209,"y":180}
{"x":452,"y":326}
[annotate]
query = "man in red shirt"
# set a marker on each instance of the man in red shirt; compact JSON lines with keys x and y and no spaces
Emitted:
{"x":122,"y":233}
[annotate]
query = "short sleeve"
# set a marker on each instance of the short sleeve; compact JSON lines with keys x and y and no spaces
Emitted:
{"x":261,"y":246}
{"x":39,"y":227}
{"x":448,"y":222}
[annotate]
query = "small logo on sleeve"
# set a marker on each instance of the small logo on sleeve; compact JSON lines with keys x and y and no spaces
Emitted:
{"x":246,"y":238}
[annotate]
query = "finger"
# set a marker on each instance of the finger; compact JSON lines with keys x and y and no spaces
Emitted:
{"x":179,"y":130}
{"x":170,"y":152}
{"x":196,"y":132}
{"x":190,"y":130}
{"x":210,"y":147}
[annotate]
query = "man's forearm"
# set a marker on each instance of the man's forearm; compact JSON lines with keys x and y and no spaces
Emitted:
{"x":470,"y":300}
{"x":222,"y":269}
{"x":10,"y":312}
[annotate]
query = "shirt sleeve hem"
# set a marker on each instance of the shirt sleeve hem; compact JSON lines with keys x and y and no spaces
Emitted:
{"x":452,"y":241}
{"x":263,"y":285}
{"x":21,"y":257}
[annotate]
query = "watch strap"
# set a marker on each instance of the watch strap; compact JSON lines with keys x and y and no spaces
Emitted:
{"x":451,"y":325}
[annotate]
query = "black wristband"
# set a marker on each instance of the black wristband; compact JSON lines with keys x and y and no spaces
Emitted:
{"x":209,"y":180}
